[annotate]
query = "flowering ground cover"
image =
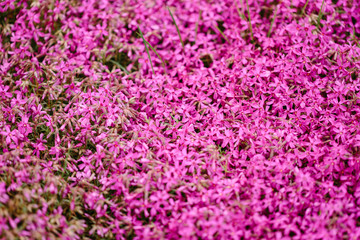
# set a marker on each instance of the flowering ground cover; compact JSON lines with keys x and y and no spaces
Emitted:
{"x":179,"y":119}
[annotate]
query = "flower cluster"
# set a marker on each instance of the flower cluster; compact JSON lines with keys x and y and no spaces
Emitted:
{"x":179,"y":119}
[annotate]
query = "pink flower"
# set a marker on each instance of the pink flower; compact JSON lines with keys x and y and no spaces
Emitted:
{"x":3,"y":194}
{"x":24,"y":126}
{"x":13,"y":135}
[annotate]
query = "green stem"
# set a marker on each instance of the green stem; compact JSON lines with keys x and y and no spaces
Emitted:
{"x":120,"y":66}
{"x":272,"y":22}
{"x":147,"y":50}
{"x":303,"y":10}
{"x":240,"y":12}
{"x":222,"y":34}
{"x":177,"y":29}
{"x":197,"y":25}
{"x":320,"y":13}
{"x":250,"y":25}
{"x":153,"y":49}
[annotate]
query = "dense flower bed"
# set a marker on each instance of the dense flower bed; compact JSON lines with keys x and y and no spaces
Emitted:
{"x":179,"y":119}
